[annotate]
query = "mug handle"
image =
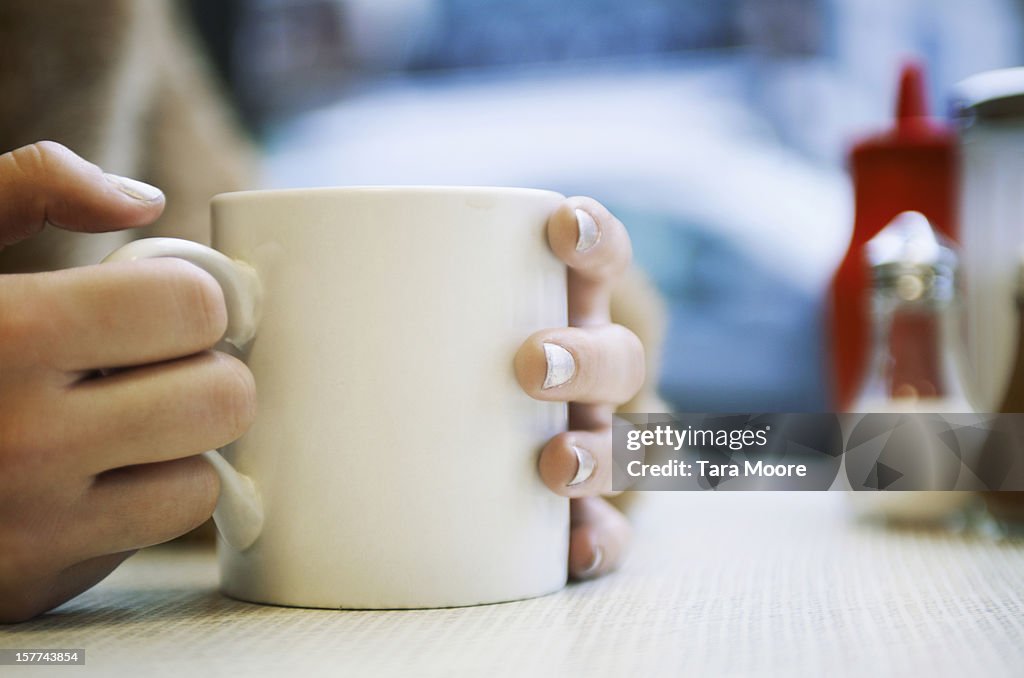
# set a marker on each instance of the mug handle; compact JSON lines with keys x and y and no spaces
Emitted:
{"x":239,"y":512}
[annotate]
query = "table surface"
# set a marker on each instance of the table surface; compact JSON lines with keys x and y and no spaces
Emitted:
{"x":717,"y":584}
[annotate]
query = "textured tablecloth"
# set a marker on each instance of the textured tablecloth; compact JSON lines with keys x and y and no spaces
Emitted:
{"x":717,"y":584}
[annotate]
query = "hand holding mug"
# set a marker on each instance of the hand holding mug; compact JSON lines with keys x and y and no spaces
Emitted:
{"x":594,"y":365}
{"x":94,"y":468}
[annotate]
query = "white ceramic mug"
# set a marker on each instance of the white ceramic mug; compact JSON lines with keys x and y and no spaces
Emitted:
{"x":393,"y":462}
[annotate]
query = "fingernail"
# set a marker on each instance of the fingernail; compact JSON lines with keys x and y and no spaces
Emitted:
{"x":561,"y":365}
{"x":588,"y":233}
{"x":594,"y":563}
{"x":584,"y":466}
{"x":135,"y":188}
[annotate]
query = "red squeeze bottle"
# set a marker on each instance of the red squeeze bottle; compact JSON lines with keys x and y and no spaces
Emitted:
{"x":912,"y":166}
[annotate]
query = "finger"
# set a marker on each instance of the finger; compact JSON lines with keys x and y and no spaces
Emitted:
{"x":591,"y":365}
{"x":139,"y":506}
{"x":83,"y":576}
{"x":157,"y":412}
{"x":598,"y":540}
{"x":30,"y":601}
{"x":578,"y":463}
{"x":596,"y":248}
{"x":110,"y":315}
{"x":45,"y":183}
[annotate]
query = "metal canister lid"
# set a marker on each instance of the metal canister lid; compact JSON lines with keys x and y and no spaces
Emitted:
{"x":992,"y":95}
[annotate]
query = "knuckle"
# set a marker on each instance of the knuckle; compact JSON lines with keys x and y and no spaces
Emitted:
{"x":203,"y":489}
{"x":173,"y":498}
{"x":183,"y":501}
{"x":36,"y":160}
{"x":22,"y":172}
{"x":233,"y":393}
{"x":47,"y":149}
{"x":30,"y":160}
{"x":199,"y":300}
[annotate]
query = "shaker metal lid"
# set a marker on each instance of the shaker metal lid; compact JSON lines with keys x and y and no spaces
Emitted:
{"x":910,"y":259}
{"x":991,"y":95}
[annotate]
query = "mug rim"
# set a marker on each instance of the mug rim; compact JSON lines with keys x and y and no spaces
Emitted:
{"x":425,"y":189}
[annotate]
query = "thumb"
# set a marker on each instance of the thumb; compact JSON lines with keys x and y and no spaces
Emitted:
{"x":45,"y":183}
